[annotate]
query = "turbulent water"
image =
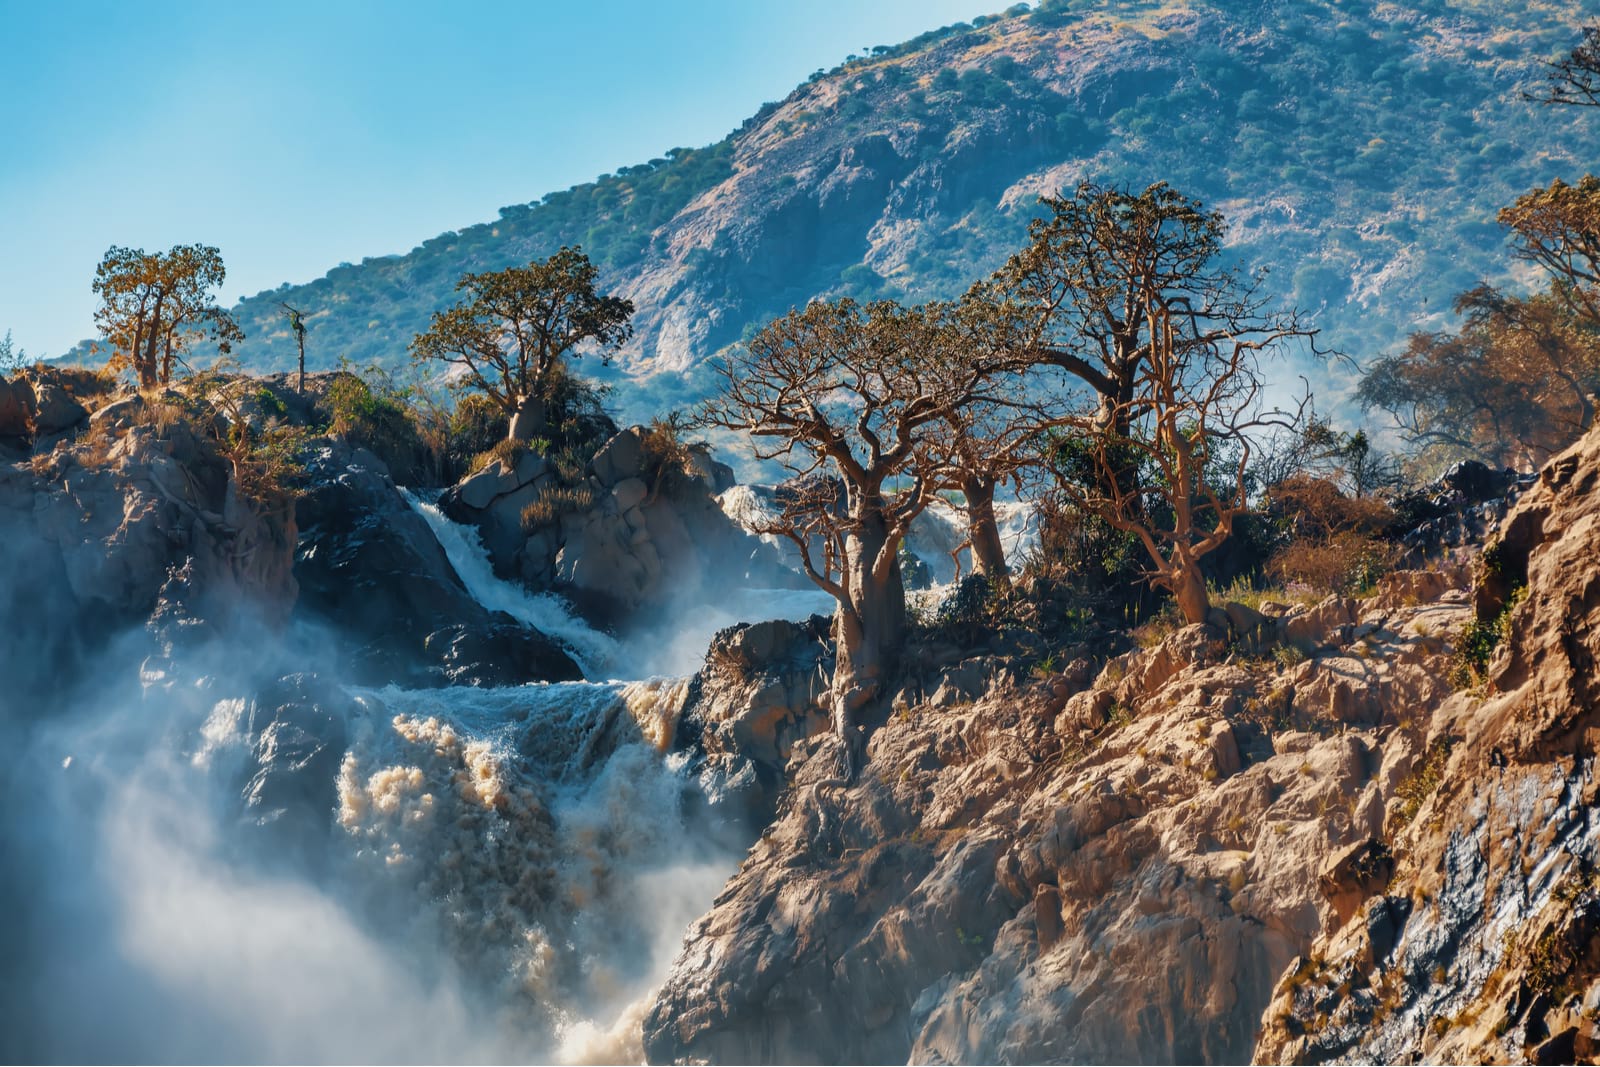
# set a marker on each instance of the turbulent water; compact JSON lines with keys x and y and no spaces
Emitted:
{"x":506,"y":874}
{"x":673,"y":647}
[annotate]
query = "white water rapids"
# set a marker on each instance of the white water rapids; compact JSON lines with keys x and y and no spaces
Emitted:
{"x":507,"y":876}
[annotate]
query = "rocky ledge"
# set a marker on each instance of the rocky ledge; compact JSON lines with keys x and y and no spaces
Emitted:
{"x":1295,"y":834}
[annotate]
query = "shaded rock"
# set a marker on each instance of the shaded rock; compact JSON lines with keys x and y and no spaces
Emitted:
{"x":54,"y":409}
{"x":479,"y":490}
{"x":297,"y":729}
{"x":619,"y":458}
{"x":370,"y":566}
{"x":501,"y":652}
{"x":16,"y":407}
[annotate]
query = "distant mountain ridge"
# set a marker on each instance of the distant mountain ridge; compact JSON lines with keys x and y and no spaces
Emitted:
{"x":1358,"y":149}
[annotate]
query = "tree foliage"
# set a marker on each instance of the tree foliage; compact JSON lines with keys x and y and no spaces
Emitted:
{"x":1558,"y":229}
{"x":1575,"y":77}
{"x":1171,"y":465}
{"x":153,"y":306}
{"x":513,"y":327}
{"x":1110,"y":277}
{"x":1512,"y":386}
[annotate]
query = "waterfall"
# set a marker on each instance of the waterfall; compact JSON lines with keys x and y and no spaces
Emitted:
{"x":442,"y":875}
{"x":596,"y":654}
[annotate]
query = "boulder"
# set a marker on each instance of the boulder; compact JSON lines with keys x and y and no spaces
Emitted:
{"x":16,"y":407}
{"x":370,"y":566}
{"x":297,"y":729}
{"x":55,"y":411}
{"x":502,"y":652}
{"x":629,"y":493}
{"x":479,"y":490}
{"x":620,"y":458}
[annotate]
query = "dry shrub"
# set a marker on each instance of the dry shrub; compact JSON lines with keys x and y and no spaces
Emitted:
{"x":93,"y":446}
{"x":555,"y":501}
{"x":663,"y":450}
{"x":507,"y":451}
{"x":1345,"y":563}
{"x":1335,"y":541}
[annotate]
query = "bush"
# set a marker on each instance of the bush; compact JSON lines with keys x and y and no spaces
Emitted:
{"x":1347,"y":563}
{"x":663,"y":449}
{"x":507,"y":452}
{"x":1334,"y":541}
{"x":370,"y":411}
{"x":555,"y":501}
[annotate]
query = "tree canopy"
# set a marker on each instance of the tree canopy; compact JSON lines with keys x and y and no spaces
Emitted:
{"x":513,"y":326}
{"x":852,"y":399}
{"x":153,"y":306}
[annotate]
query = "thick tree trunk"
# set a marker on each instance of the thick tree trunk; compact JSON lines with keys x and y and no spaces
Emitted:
{"x":148,"y":368}
{"x":529,"y":420}
{"x":988,"y":553}
{"x":1189,"y":589}
{"x":869,"y":630}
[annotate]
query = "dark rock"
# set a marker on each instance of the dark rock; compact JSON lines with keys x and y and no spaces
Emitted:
{"x":297,"y":727}
{"x":1385,"y":919}
{"x":1558,"y":1048}
{"x":370,"y":567}
{"x":16,"y":408}
{"x":55,"y":411}
{"x":501,"y":653}
{"x":620,"y":458}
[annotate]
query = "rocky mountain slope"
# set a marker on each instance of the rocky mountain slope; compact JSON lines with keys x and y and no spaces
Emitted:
{"x":1299,"y":834}
{"x":1359,"y":150}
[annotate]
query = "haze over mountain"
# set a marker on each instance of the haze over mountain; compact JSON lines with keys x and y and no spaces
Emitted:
{"x":1359,"y":151}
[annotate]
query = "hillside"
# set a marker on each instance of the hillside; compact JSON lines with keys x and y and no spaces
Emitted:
{"x":1358,"y":149}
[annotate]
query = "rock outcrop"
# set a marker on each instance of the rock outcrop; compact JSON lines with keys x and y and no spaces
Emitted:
{"x":138,"y":518}
{"x":633,"y":534}
{"x":1065,"y":870}
{"x":1484,"y":945}
{"x":371,"y":570}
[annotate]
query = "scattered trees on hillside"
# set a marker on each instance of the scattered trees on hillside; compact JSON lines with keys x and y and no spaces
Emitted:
{"x":876,"y":408}
{"x":514,"y":327}
{"x":153,"y":306}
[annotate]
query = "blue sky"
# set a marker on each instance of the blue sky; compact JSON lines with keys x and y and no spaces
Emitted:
{"x":296,"y":136}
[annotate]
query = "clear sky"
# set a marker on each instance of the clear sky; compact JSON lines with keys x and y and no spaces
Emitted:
{"x":294,"y":136}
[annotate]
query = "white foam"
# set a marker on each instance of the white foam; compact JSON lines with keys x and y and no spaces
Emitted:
{"x":597,"y":654}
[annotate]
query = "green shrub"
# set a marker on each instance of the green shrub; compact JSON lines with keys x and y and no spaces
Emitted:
{"x":369,"y":410}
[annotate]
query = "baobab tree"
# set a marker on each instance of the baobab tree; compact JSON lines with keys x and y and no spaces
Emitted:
{"x":993,"y":438}
{"x":153,"y":306}
{"x":514,"y":327}
{"x":852,"y":400}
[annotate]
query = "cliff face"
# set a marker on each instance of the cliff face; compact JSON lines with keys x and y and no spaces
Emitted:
{"x":1071,"y":870}
{"x":1484,"y":945}
{"x":123,"y":516}
{"x":1298,"y":835}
